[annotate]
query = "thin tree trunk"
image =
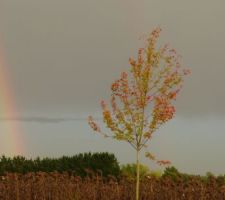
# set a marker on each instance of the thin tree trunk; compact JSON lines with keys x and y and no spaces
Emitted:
{"x":137,"y":176}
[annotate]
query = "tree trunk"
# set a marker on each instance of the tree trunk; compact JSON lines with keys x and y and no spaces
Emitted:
{"x":137,"y":176}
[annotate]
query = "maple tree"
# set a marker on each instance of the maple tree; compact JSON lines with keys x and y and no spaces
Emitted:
{"x":142,"y":100}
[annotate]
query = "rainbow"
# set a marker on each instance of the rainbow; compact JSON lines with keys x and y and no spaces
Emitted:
{"x":10,"y":136}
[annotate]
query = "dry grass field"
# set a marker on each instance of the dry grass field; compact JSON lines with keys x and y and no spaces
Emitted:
{"x":57,"y":186}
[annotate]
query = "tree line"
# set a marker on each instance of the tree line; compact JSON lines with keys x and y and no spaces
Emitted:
{"x":103,"y":163}
{"x":80,"y":164}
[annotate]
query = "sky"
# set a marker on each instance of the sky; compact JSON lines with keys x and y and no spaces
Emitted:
{"x":60,"y":58}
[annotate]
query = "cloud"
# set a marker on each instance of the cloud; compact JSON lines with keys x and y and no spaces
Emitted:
{"x":66,"y":63}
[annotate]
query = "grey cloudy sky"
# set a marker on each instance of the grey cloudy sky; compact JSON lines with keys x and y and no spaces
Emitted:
{"x":63,"y":55}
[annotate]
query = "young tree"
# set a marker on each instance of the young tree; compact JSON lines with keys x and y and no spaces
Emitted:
{"x":141,"y":101}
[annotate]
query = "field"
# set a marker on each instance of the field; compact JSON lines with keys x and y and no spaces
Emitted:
{"x":62,"y":186}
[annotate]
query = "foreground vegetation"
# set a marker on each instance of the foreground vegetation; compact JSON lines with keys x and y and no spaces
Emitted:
{"x":62,"y":186}
{"x":98,"y":176}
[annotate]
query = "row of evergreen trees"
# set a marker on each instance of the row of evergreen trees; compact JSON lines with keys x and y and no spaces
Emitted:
{"x":81,"y":164}
{"x":85,"y":163}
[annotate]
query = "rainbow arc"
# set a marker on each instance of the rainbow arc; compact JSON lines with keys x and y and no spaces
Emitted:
{"x":11,"y":140}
